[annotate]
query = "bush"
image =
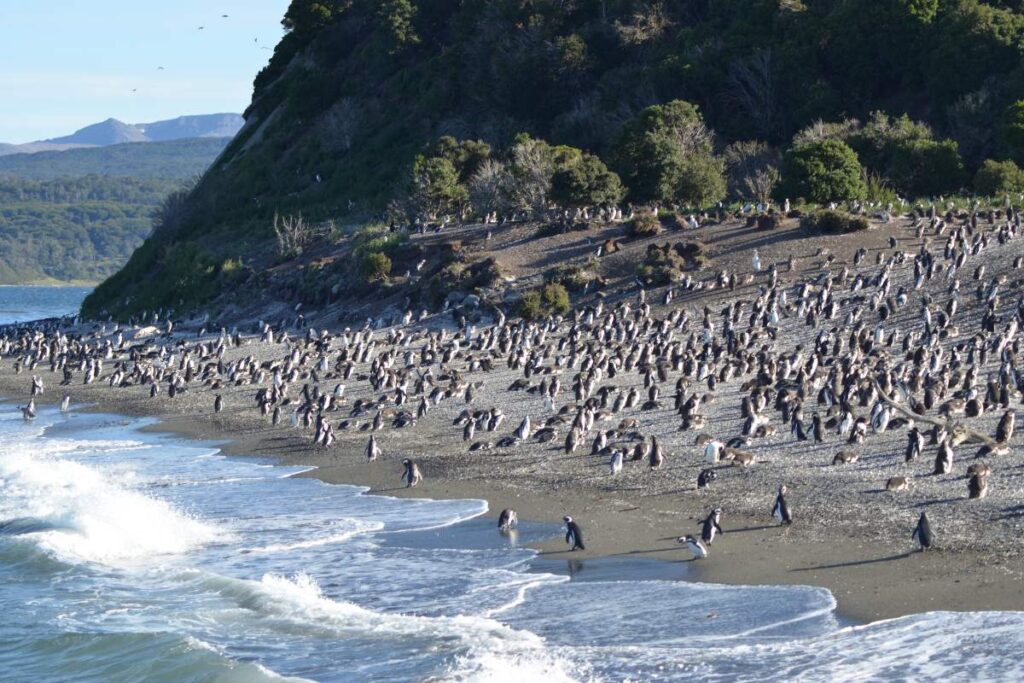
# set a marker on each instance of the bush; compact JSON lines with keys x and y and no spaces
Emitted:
{"x":996,"y":178}
{"x":531,"y":307}
{"x":436,"y":189}
{"x":823,"y":172}
{"x":556,"y":298}
{"x":701,"y":180}
{"x":928,"y":168}
{"x":833,"y":222}
{"x":586,"y":183}
{"x":645,"y":225}
{"x":375,"y":266}
{"x":768,"y":221}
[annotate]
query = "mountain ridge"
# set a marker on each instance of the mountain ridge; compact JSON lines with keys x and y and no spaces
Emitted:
{"x":115,"y":132}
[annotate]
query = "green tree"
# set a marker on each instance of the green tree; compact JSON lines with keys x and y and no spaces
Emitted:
{"x":1011,"y":132}
{"x":395,"y":18}
{"x":666,"y":154}
{"x":928,"y":168}
{"x":435,"y":187}
{"x":467,"y":156}
{"x":823,"y":172}
{"x":305,"y":17}
{"x":556,"y":298}
{"x":588,"y":182}
{"x":996,"y":178}
{"x":375,"y":266}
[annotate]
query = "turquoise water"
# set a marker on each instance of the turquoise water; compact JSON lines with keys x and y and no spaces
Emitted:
{"x":127,"y":556}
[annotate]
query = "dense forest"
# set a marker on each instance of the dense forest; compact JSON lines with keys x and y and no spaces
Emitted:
{"x":903,"y":98}
{"x":78,"y":215}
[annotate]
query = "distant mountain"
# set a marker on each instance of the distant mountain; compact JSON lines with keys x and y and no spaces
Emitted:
{"x":114,"y":132}
{"x":178,"y":159}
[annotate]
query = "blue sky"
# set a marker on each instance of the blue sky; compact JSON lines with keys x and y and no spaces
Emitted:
{"x":67,"y":63}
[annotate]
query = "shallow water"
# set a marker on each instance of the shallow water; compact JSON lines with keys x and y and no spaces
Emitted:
{"x":128,"y":556}
{"x":21,"y":304}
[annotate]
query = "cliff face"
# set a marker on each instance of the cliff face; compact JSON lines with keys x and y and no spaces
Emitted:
{"x":357,"y":88}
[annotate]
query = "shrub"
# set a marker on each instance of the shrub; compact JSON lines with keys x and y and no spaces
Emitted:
{"x":531,"y":307}
{"x":556,"y":298}
{"x":823,"y":172}
{"x":435,"y":187}
{"x":665,"y":154}
{"x":645,"y":225}
{"x":998,"y":178}
{"x":833,"y":222}
{"x":768,"y":221}
{"x":928,"y":168}
{"x":375,"y":266}
{"x":586,"y":183}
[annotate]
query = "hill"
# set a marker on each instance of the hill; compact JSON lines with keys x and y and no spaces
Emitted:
{"x":78,"y":215}
{"x":909,"y":98}
{"x":173,"y":159}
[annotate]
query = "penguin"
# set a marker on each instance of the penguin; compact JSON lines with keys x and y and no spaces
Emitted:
{"x":656,"y":457}
{"x":915,"y":444}
{"x":705,"y":478}
{"x":372,"y":450}
{"x":1004,"y":431}
{"x":944,"y":459}
{"x":780,"y":510}
{"x":573,"y":534}
{"x":218,"y":403}
{"x":695,"y":546}
{"x":977,"y":486}
{"x":896,"y":484}
{"x":615,"y":465}
{"x":507,"y":520}
{"x":65,"y":403}
{"x":711,"y":526}
{"x":411,"y":474}
{"x":923,"y":532}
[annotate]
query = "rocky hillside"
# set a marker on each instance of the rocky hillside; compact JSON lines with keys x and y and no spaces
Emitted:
{"x":915,"y":95}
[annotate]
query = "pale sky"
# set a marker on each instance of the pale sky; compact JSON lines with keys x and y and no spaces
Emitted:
{"x":65,"y":64}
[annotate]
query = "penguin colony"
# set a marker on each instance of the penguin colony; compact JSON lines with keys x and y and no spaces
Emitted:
{"x":897,"y":371}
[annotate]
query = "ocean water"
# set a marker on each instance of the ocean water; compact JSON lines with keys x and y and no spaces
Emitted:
{"x":129,"y":556}
{"x":21,"y":304}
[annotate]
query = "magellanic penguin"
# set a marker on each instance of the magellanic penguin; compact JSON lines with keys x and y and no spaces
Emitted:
{"x":372,"y":450}
{"x":695,"y":546}
{"x":65,"y":403}
{"x":218,"y":403}
{"x":411,"y":474}
{"x":615,"y":464}
{"x":573,"y":534}
{"x":780,"y":510}
{"x":923,"y":532}
{"x":977,"y":486}
{"x":705,"y":478}
{"x":508,"y":520}
{"x":711,"y":526}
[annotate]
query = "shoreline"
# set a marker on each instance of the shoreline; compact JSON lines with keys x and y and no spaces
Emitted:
{"x":869,"y":582}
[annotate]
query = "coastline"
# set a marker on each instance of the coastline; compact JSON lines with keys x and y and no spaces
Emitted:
{"x":870,"y":581}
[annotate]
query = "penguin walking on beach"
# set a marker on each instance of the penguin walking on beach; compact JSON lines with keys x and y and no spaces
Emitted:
{"x":65,"y":403}
{"x":695,"y":546}
{"x":615,"y":465}
{"x":573,"y":534}
{"x":372,"y":449}
{"x":923,"y":532}
{"x":711,"y":526}
{"x":507,"y":520}
{"x":411,"y":474}
{"x":780,"y":510}
{"x":705,"y":478}
{"x":218,"y":403}
{"x":915,"y":444}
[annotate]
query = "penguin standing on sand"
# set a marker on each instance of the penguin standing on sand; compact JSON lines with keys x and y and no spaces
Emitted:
{"x":507,"y":520}
{"x":695,"y":546}
{"x":915,"y":444}
{"x":218,"y":403}
{"x":923,"y":532}
{"x":372,"y":449}
{"x":780,"y":510}
{"x":573,"y":534}
{"x":712,"y":525}
{"x":411,"y":474}
{"x":705,"y":478}
{"x":615,"y":464}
